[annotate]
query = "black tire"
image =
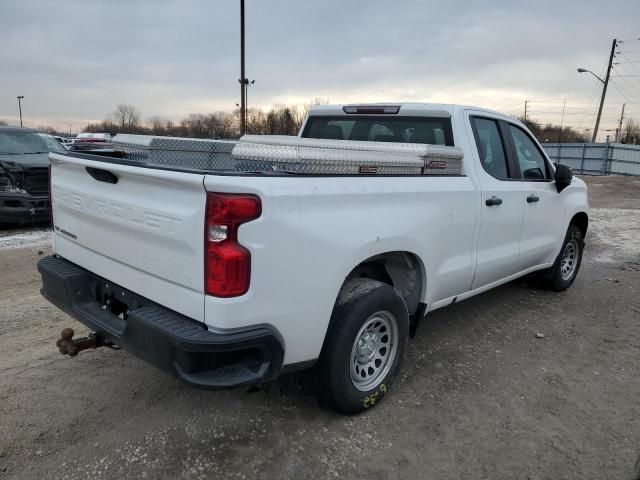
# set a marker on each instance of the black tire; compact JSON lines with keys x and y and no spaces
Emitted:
{"x":557,"y":278}
{"x":371,"y":306}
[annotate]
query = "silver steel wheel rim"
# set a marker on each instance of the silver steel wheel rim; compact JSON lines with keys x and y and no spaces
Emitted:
{"x":569,"y":261}
{"x":374,"y":351}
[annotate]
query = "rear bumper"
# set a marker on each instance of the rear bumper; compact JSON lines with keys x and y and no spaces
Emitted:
{"x":161,"y":337}
{"x":23,"y":208}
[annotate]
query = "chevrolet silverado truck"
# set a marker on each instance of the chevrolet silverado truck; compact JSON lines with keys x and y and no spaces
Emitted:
{"x":229,"y":263}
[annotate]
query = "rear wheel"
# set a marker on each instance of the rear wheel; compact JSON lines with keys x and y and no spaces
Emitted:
{"x":365,"y":345}
{"x":567,"y":264}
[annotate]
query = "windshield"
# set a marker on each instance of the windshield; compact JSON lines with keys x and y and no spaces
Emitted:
{"x":20,"y":143}
{"x":431,"y":130}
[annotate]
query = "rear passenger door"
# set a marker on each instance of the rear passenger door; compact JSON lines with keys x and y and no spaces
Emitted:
{"x":542,"y":229}
{"x":502,"y":208}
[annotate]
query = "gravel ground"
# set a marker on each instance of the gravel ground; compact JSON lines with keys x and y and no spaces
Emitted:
{"x":480,"y":395}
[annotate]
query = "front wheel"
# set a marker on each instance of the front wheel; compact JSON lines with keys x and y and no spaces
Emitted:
{"x":565,"y":269}
{"x":365,"y":345}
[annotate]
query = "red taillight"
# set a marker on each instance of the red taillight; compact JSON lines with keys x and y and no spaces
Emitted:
{"x":227,"y":263}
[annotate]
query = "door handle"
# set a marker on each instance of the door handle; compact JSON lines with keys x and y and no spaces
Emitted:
{"x":532,"y":198}
{"x":490,"y":202}
{"x":102,"y":175}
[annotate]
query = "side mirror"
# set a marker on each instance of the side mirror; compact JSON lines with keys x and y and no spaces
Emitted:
{"x":563,"y":177}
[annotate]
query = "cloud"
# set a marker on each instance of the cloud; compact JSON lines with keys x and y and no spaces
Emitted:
{"x":75,"y":60}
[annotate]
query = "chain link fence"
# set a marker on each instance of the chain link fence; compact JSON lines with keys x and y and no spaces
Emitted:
{"x":596,"y":158}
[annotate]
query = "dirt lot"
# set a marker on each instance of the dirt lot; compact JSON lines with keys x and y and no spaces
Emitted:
{"x":480,"y":397}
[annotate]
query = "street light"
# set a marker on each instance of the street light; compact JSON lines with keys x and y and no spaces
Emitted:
{"x":605,"y":84}
{"x":604,"y":92}
{"x":584,"y":70}
{"x":20,"y":97}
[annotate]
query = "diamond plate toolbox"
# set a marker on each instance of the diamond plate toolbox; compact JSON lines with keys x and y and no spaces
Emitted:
{"x":305,"y":156}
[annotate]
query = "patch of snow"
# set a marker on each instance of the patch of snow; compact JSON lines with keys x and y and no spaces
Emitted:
{"x":615,"y":233}
{"x":27,"y":239}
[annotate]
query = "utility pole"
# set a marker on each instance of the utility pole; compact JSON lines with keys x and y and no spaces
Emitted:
{"x":604,"y":90}
{"x":243,"y":80}
{"x":619,"y":131}
{"x":564,"y":104}
{"x":525,"y":110}
{"x":20,"y":97}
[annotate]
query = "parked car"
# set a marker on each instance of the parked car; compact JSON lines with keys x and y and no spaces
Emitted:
{"x":66,"y":142}
{"x":24,"y":174}
{"x":91,"y":141}
{"x":230,"y":263}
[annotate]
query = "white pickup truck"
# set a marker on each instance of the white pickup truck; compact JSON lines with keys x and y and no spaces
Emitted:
{"x":229,"y":263}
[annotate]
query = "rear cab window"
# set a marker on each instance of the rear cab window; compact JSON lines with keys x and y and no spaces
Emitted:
{"x":376,"y":128}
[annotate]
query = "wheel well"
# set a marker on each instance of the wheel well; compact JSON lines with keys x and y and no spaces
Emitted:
{"x":402,"y":270}
{"x":581,"y":220}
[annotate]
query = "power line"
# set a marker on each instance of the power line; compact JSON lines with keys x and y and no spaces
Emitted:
{"x":543,"y":110}
{"x":624,"y":79}
{"x":623,"y":92}
{"x":557,"y":101}
{"x":627,"y":83}
{"x":573,"y":108}
{"x":632,"y":66}
{"x":513,"y":108}
{"x":580,"y":109}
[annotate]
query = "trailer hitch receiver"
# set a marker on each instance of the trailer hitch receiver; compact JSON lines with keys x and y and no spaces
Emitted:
{"x":72,"y":346}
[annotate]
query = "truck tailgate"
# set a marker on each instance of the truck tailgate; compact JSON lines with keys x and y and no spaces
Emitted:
{"x":141,"y":228}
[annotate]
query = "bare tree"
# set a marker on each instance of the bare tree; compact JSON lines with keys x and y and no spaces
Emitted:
{"x":127,"y":117}
{"x":631,"y":132}
{"x":157,"y":126}
{"x":283,"y":120}
{"x":554,"y":133}
{"x":194,"y":125}
{"x":227,"y":124}
{"x":49,"y":129}
{"x":314,"y":103}
{"x":106,"y":126}
{"x":256,"y":121}
{"x":280,"y":119}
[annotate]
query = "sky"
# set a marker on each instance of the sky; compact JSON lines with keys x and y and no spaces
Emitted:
{"x":74,"y":61}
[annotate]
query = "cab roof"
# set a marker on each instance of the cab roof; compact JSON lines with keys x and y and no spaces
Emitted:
{"x":401,"y":108}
